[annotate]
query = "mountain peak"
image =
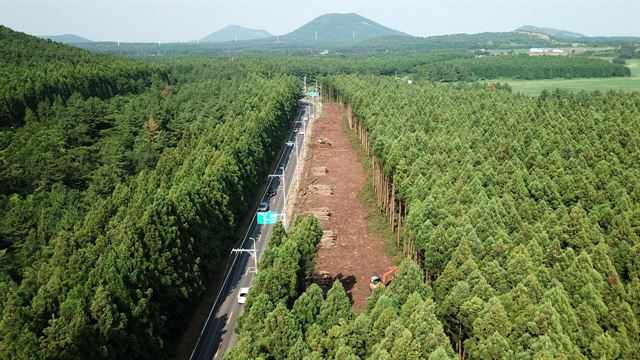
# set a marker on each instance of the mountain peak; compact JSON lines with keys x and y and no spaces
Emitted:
{"x":235,"y":32}
{"x":66,"y":38}
{"x":336,"y":27}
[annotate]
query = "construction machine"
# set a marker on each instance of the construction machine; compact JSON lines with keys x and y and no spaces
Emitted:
{"x":378,"y":282}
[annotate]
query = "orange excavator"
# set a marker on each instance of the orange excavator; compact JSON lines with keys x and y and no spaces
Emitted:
{"x":378,"y":283}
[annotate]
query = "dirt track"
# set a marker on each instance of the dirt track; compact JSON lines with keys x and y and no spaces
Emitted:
{"x":347,"y":252}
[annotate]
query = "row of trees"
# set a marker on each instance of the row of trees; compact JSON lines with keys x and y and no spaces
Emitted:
{"x":314,"y":67}
{"x":33,"y":70}
{"x":519,"y":67}
{"x":113,"y":211}
{"x":523,"y":212}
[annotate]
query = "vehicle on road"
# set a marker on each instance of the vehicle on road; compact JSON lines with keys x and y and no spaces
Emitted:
{"x":242,"y":295}
{"x":295,"y":130}
{"x":272,"y":192}
{"x":281,"y":168}
{"x":263,"y":206}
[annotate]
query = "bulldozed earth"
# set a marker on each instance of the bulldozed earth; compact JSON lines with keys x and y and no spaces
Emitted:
{"x":333,"y":176}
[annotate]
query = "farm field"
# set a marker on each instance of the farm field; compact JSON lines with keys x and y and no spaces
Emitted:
{"x":534,"y":87}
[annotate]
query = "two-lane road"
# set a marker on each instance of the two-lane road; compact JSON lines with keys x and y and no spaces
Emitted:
{"x":218,"y":334}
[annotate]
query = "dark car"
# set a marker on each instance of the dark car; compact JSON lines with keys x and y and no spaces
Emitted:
{"x":272,"y":192}
{"x":263,"y":207}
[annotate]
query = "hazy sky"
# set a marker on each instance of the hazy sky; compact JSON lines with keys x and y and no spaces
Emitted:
{"x":176,"y":20}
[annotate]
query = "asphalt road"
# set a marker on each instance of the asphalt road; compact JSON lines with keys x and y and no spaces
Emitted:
{"x":217,"y":335}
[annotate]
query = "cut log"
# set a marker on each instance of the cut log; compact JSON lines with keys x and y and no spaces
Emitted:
{"x":321,"y":189}
{"x":319,"y":171}
{"x":321,"y":213}
{"x":329,"y":238}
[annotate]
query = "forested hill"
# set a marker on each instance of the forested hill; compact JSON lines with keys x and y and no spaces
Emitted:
{"x":66,"y":38}
{"x":332,"y":28}
{"x":555,"y":33}
{"x":34,"y":70}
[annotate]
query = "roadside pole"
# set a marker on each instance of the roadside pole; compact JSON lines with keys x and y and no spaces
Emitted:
{"x":284,"y":194}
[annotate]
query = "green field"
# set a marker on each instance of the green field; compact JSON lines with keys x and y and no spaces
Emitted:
{"x":534,"y":87}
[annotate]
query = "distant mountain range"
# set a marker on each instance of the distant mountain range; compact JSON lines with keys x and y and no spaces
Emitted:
{"x":338,"y":28}
{"x":554,"y":33}
{"x":349,"y":34}
{"x":66,"y":38}
{"x":235,"y":32}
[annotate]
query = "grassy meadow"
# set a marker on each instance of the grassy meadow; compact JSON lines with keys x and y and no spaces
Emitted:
{"x":534,"y":87}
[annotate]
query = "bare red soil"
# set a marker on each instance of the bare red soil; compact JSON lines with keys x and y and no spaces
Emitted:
{"x":351,"y":255}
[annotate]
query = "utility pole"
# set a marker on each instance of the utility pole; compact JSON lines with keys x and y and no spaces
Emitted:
{"x":284,"y":194}
{"x":253,"y":252}
{"x":316,"y":36}
{"x":305,"y":85}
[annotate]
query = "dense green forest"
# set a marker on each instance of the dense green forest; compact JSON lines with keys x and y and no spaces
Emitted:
{"x":112,"y":211}
{"x":523,"y":214}
{"x":519,"y":67}
{"x":314,"y":67}
{"x":453,"y":42}
{"x":433,"y":66}
{"x":34,"y":70}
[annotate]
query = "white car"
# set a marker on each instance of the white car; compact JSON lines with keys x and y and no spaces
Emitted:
{"x":295,"y":130}
{"x":242,"y":295}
